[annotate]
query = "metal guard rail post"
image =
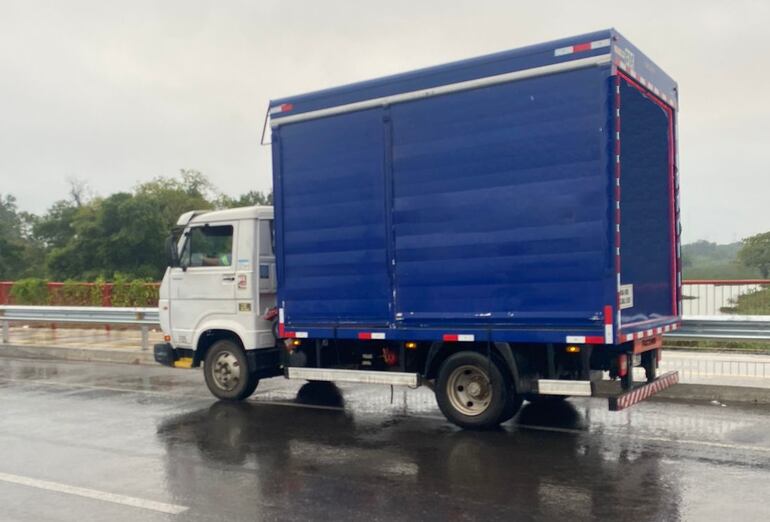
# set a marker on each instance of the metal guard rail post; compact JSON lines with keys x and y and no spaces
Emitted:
{"x":142,"y":317}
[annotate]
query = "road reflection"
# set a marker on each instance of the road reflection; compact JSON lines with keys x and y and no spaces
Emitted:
{"x":316,"y":460}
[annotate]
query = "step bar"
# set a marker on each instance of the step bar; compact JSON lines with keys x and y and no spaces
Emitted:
{"x":359,"y":376}
{"x":562,"y":387}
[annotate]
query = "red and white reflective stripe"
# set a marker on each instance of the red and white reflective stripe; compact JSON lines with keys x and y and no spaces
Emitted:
{"x":649,"y":333}
{"x":284,"y":107}
{"x":281,"y":332}
{"x":371,"y":335}
{"x":461,"y":338}
{"x":585,"y":339}
{"x":292,"y":335}
{"x":581,"y":47}
{"x":644,"y":392}
{"x":645,"y":83}
{"x":608,"y":324}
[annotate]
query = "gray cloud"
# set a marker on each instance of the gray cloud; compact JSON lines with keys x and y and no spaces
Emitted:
{"x":119,"y":92}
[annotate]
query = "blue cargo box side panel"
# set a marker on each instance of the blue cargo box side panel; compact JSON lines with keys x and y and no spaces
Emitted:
{"x":331,"y":211}
{"x":486,"y":206}
{"x":501,"y":203}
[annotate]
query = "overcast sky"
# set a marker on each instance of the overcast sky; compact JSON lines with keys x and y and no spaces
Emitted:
{"x":116,"y":93}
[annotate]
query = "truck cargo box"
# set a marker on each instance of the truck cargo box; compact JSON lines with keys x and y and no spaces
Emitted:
{"x":524,"y":196}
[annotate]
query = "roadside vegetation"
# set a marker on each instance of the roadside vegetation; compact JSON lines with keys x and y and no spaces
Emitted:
{"x":117,"y":238}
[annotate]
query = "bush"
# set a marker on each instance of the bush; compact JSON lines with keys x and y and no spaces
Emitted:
{"x":753,"y":303}
{"x":137,"y":292}
{"x":30,"y":291}
{"x":74,"y":293}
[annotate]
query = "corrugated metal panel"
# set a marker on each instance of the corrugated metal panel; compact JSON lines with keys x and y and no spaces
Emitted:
{"x":501,"y":202}
{"x":332,"y":256}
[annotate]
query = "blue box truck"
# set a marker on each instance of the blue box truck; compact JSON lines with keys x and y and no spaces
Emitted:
{"x":505,"y":228}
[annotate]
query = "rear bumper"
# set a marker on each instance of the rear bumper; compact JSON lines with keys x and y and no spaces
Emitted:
{"x":643,"y":392}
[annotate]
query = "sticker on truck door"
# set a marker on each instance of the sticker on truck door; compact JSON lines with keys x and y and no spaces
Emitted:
{"x":626,"y":294}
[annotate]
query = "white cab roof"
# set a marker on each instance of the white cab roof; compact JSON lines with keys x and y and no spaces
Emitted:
{"x":230,"y":214}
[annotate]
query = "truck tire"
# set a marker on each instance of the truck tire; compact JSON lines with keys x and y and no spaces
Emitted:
{"x":472,"y":391}
{"x":227,"y":372}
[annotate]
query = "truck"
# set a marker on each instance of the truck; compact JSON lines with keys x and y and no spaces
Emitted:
{"x":503,"y":228}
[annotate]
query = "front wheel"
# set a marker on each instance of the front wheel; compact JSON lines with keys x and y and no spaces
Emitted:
{"x":227,"y":372}
{"x":471,"y":391}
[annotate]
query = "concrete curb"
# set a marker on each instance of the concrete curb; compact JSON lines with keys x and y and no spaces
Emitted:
{"x":112,"y":355}
{"x":711,"y":392}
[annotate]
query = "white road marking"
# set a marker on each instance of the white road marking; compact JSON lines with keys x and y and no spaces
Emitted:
{"x":162,"y":507}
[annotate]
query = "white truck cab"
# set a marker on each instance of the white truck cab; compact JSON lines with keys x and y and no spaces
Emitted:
{"x":220,"y":291}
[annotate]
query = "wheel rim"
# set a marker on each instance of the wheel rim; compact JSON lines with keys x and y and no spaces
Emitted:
{"x":226,"y":371}
{"x":469,"y":390}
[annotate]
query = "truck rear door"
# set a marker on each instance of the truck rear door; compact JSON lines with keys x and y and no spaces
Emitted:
{"x":649,"y":251}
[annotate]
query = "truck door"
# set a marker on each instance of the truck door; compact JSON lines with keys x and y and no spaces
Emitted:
{"x":203,"y":287}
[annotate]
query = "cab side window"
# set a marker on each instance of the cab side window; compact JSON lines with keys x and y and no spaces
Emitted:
{"x":266,"y":237}
{"x":209,"y":246}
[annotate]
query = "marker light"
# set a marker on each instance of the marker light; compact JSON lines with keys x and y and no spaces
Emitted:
{"x":411,"y":345}
{"x":573,"y":349}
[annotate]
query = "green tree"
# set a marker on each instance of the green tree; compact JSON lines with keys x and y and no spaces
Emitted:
{"x":54,"y":229}
{"x":173,"y":197}
{"x":83,"y":238}
{"x":11,"y":244}
{"x":755,"y":252}
{"x":250,"y":198}
{"x":20,"y":256}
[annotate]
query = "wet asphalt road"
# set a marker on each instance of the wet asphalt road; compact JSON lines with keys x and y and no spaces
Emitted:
{"x":86,"y":441}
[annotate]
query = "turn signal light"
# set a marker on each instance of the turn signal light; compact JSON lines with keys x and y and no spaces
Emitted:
{"x":296,"y":342}
{"x":573,"y":349}
{"x":411,"y":345}
{"x":167,"y":338}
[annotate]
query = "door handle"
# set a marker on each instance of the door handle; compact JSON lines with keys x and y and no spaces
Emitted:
{"x":228,"y":278}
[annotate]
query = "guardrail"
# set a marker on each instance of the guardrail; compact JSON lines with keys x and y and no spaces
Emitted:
{"x":724,"y":328}
{"x":698,"y":327}
{"x":142,"y":317}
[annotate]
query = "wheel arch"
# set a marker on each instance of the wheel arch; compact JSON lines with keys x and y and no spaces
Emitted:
{"x":207,"y":338}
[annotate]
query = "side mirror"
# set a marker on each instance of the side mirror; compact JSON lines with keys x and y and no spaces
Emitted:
{"x":172,"y":252}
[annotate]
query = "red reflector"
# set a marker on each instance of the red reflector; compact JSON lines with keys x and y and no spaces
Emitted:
{"x":622,"y":365}
{"x":581,"y":47}
{"x":285,"y":107}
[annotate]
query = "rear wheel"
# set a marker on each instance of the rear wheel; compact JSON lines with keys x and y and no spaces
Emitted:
{"x":227,"y":372}
{"x":472,"y":392}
